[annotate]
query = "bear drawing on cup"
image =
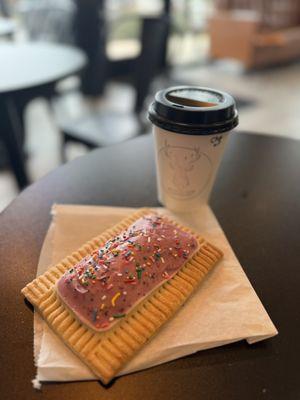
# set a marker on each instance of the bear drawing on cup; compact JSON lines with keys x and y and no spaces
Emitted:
{"x":181,"y":160}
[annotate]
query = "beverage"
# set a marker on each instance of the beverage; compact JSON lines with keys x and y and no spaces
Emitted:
{"x":191,"y":127}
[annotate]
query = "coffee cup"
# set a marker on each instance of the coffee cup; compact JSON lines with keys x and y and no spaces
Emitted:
{"x":191,"y":126}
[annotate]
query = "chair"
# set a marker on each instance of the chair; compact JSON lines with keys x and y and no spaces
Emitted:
{"x":256,"y":32}
{"x":48,"y":20}
{"x":5,"y":9}
{"x":105,"y":128}
{"x":149,"y":63}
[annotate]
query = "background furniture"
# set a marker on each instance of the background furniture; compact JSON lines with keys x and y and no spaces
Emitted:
{"x":102,"y":129}
{"x":47,"y":20}
{"x":256,"y":200}
{"x":29,"y":71}
{"x":5,"y":8}
{"x":52,"y":20}
{"x":98,"y":129}
{"x":255,"y":32}
{"x":91,"y":32}
{"x":7,"y":28}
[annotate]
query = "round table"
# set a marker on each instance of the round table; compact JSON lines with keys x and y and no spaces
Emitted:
{"x":256,"y":200}
{"x":27,"y":71}
{"x":28,"y":65}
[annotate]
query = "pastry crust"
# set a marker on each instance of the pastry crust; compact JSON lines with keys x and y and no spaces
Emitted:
{"x":106,"y":353}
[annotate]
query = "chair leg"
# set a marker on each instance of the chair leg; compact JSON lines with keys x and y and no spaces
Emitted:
{"x":10,"y":132}
{"x":63,"y":145}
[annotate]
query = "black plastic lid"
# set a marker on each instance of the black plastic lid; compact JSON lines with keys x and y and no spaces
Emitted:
{"x":193,"y":110}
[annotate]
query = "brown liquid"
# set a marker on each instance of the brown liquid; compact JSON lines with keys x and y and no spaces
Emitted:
{"x":189,"y":102}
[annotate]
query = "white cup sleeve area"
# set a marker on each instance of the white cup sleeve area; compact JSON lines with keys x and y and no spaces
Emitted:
{"x":186,"y":167}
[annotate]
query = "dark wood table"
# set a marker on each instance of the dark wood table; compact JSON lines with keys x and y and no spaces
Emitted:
{"x":27,"y":71}
{"x":256,"y":199}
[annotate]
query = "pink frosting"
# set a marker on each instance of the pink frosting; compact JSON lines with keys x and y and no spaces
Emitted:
{"x":105,"y":286}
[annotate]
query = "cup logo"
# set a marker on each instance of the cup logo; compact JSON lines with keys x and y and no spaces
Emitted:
{"x":186,"y":170}
{"x":216,"y":140}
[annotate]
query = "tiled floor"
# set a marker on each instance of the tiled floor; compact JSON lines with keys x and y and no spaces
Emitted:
{"x":275,"y":92}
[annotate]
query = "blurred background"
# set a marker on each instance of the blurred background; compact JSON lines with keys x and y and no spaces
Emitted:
{"x":80,"y":74}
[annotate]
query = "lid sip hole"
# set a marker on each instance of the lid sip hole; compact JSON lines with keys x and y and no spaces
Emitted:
{"x":180,"y":102}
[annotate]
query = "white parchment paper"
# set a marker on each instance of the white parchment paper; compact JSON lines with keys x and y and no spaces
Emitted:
{"x":223,"y":310}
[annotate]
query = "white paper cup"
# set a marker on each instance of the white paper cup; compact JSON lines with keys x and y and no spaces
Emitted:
{"x":190,"y":129}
